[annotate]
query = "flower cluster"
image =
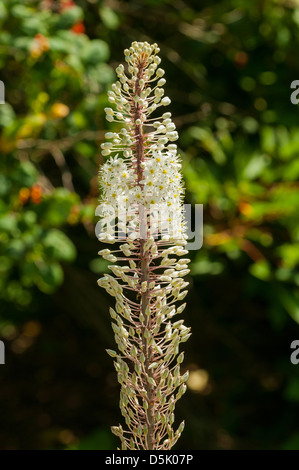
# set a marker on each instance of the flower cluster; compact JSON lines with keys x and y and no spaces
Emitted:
{"x":143,"y":171}
{"x":162,"y":181}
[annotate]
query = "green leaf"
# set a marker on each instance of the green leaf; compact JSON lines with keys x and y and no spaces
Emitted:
{"x":261,"y":270}
{"x":58,"y":246}
{"x":16,"y":249}
{"x":8,"y":223}
{"x":22,"y":11}
{"x":101,"y":73}
{"x":109,"y":17}
{"x":209,"y":143}
{"x":50,"y":276}
{"x":55,"y":210}
{"x":69,"y":17}
{"x":26,"y":174}
{"x":289,"y":254}
{"x":95,"y":51}
{"x":33,"y":25}
{"x":58,"y":44}
{"x":268,"y":139}
{"x":256,"y":166}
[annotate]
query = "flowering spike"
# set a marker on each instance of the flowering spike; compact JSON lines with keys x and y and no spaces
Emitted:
{"x":142,"y":189}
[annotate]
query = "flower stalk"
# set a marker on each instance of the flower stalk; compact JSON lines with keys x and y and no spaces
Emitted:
{"x":144,"y":176}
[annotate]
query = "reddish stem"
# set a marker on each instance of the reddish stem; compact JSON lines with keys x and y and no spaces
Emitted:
{"x":144,"y":259}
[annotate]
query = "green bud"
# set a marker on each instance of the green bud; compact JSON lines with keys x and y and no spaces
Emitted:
{"x":180,"y":358}
{"x":111,"y":352}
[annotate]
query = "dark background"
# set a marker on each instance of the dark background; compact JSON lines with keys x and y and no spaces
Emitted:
{"x":229,"y":66}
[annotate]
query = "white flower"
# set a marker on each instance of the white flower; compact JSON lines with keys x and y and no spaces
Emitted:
{"x":142,"y":177}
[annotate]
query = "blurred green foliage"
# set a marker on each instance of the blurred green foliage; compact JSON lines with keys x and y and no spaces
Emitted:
{"x":229,"y":66}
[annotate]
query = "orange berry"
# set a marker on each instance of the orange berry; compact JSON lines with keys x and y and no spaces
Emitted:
{"x":36,"y":194}
{"x":24,"y":195}
{"x":39,"y":45}
{"x":78,"y":28}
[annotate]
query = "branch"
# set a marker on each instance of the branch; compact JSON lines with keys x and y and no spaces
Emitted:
{"x":60,"y":161}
